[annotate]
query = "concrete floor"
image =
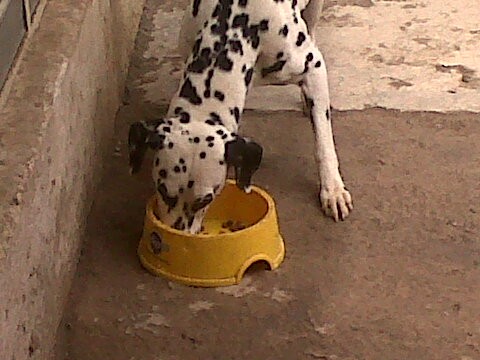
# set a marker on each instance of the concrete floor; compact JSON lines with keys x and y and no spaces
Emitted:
{"x":398,"y":280}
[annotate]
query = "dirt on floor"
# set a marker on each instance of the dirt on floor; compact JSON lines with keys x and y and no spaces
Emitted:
{"x":399,"y":279}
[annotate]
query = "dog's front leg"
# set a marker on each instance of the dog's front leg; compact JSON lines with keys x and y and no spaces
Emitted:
{"x":335,"y":199}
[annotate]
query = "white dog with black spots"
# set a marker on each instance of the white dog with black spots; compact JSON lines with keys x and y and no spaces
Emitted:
{"x":227,"y":44}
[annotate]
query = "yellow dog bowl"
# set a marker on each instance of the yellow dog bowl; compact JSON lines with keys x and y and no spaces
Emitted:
{"x":221,"y":254}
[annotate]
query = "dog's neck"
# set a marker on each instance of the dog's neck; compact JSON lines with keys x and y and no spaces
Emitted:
{"x":217,"y":76}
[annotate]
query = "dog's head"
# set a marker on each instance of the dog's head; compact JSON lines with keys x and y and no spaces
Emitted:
{"x":190,"y":166}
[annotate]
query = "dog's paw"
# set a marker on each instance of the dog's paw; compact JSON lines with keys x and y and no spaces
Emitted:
{"x":336,"y":202}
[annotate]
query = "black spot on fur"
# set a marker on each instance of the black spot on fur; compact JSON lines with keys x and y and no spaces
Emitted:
{"x":248,"y":77}
{"x":196,"y":46}
{"x":250,"y":31}
{"x":219,"y":95}
{"x":276,"y":67}
{"x":214,"y":119}
{"x":236,"y":113}
{"x":170,"y":201}
{"x":263,"y":26}
{"x":218,"y":46}
{"x":196,"y":5}
{"x":310,"y":104}
{"x":236,"y":46}
{"x":223,"y":62}
{"x":179,"y":224}
{"x":189,"y":92}
{"x":208,"y":81}
{"x":184,"y":117}
{"x":301,"y":38}
{"x":240,"y":21}
{"x":201,"y":203}
{"x":202,"y":62}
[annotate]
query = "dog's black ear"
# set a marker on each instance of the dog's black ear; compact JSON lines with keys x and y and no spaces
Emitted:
{"x":142,"y":136}
{"x":245,"y":156}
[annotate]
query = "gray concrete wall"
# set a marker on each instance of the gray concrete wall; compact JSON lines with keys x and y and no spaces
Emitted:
{"x":12,"y":29}
{"x":56,"y":128}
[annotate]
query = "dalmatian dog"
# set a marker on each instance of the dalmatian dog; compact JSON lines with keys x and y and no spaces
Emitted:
{"x":228,"y":45}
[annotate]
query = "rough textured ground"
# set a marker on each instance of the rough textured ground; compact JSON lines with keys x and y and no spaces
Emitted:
{"x":400,"y":279}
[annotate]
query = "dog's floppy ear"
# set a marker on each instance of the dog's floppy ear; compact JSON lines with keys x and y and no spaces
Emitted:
{"x":245,"y":156}
{"x":142,"y":136}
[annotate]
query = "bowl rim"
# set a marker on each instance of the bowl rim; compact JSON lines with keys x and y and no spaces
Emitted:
{"x":158,"y":224}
